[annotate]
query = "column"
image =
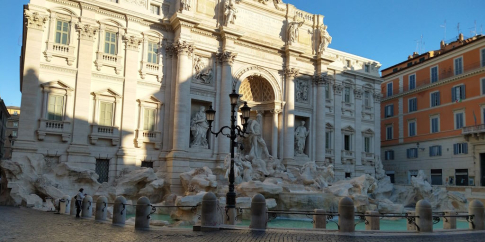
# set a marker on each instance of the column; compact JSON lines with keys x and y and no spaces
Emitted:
{"x":127,"y":153}
{"x":377,"y":125}
{"x":79,"y":149}
{"x":320,"y":120}
{"x":30,"y":80}
{"x":274,"y":142}
{"x":224,"y":118}
{"x":168,"y":98}
{"x":359,"y":141}
{"x":338,"y":88}
{"x":289,"y":138}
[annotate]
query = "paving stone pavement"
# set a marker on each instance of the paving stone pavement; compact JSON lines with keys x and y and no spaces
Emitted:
{"x":22,"y":224}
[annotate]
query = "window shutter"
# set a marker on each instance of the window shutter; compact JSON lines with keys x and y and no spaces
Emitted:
{"x":415,"y":104}
{"x":455,"y":149}
{"x":453,"y":95}
{"x":392,"y":154}
{"x":407,"y":151}
{"x":438,"y":102}
{"x":392,"y":110}
{"x":465,"y":148}
{"x":102,"y":113}
{"x":462,"y":90}
{"x":439,"y":150}
{"x":430,"y":151}
{"x":51,"y":107}
{"x":483,"y":80}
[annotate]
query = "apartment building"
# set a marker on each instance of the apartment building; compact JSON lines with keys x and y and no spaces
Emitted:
{"x":3,"y":127}
{"x":12,"y":130}
{"x":433,"y":115}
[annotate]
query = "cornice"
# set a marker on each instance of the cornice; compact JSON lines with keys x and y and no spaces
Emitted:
{"x":256,"y":47}
{"x":204,"y":32}
{"x":108,"y":77}
{"x":148,"y":84}
{"x":65,"y":2}
{"x":58,"y":68}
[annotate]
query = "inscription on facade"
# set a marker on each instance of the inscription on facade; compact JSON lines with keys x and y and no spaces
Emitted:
{"x":260,"y":23}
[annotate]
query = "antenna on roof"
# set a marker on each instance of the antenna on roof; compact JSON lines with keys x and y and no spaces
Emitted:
{"x":444,"y":26}
{"x":458,"y":28}
{"x":473,"y":32}
{"x":419,"y":45}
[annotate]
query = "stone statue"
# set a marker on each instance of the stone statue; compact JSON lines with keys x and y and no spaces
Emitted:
{"x":237,"y":167}
{"x":300,"y":136}
{"x":317,"y":176}
{"x":293,"y":30}
{"x":201,"y":73}
{"x":184,"y":5}
{"x":198,"y":128}
{"x":230,"y":12}
{"x":258,"y":151}
{"x":325,"y":39}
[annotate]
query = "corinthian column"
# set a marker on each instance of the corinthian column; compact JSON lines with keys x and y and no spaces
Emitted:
{"x":289,"y":138}
{"x":320,"y":119}
{"x":227,"y":58}
{"x":274,"y":142}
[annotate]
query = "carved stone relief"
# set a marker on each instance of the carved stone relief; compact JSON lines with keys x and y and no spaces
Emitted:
{"x":230,"y":12}
{"x":325,"y":39}
{"x":185,"y":5}
{"x":293,"y":30}
{"x":301,"y":91}
{"x":203,"y":70}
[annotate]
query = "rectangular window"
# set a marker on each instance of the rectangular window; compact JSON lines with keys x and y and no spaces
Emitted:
{"x":435,"y":99}
{"x":348,"y":175}
{"x":328,"y":140}
{"x":458,"y":93}
{"x":347,"y":63}
{"x":389,"y":89}
{"x":435,"y":150}
{"x":483,"y":86}
{"x":149,"y":119}
{"x":347,"y":142}
{"x":458,"y":66}
{"x":62,"y":32}
{"x":110,"y":43}
{"x":153,"y":53}
{"x":102,"y":169}
{"x":460,"y":148}
{"x":389,"y":155}
{"x":154,"y":9}
{"x":389,"y":132}
{"x":347,"y":95}
{"x":106,"y":114}
{"x":55,"y":107}
{"x":389,"y":111}
{"x":367,"y":144}
{"x":15,"y":124}
{"x":459,"y":122}
{"x":435,"y":125}
{"x":14,"y":133}
{"x":412,"y":153}
{"x":434,"y":74}
{"x":367,"y":68}
{"x":412,"y":128}
{"x":436,"y":177}
{"x":15,"y":113}
{"x":367,"y":99}
{"x":413,"y":105}
{"x":410,"y":64}
{"x":148,"y":164}
{"x":483,"y":57}
{"x":461,"y":177}
{"x":412,"y":82}
{"x":395,"y":70}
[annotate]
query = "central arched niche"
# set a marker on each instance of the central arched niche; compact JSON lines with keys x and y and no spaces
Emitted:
{"x":256,"y":89}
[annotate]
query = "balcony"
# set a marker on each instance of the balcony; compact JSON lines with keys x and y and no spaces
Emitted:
{"x":148,"y":68}
{"x":329,"y":152}
{"x":104,"y":59}
{"x":104,"y":132}
{"x":147,"y":136}
{"x":477,"y":131}
{"x":348,"y":157}
{"x":53,"y":127}
{"x":61,"y":51}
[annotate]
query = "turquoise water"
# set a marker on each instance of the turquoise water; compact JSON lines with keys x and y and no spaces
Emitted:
{"x":386,"y":225}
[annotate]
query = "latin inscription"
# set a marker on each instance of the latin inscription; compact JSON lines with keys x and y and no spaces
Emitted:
{"x":259,"y":23}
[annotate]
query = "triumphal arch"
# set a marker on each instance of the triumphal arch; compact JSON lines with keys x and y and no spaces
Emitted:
{"x":112,"y":84}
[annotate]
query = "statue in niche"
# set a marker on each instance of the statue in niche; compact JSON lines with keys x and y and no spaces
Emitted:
{"x":230,"y":12}
{"x":293,"y":30}
{"x":325,"y":39}
{"x":184,"y":5}
{"x":198,"y":128}
{"x":201,"y":72}
{"x":300,"y":136}
{"x":258,"y":151}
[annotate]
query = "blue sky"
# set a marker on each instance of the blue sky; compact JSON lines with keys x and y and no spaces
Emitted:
{"x":383,"y":30}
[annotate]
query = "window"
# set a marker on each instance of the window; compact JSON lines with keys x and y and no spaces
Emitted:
{"x":410,"y":64}
{"x":435,"y":150}
{"x":459,"y":120}
{"x":347,"y":174}
{"x":434,"y":74}
{"x":347,"y":95}
{"x":367,"y":68}
{"x":460,"y":148}
{"x":413,"y":105}
{"x":435,"y":124}
{"x":347,"y":140}
{"x":149,"y":119}
{"x":483,"y":56}
{"x":154,"y":9}
{"x":15,"y":113}
{"x":55,"y":107}
{"x":412,"y":153}
{"x":153,"y":53}
{"x":391,"y":174}
{"x":421,"y":59}
{"x":458,"y":65}
{"x":436,"y":177}
{"x":395,"y":70}
{"x":328,"y":140}
{"x":389,"y":111}
{"x":102,"y":169}
{"x":347,"y":63}
{"x":148,"y":164}
{"x":458,"y":93}
{"x":110,"y":43}
{"x":412,"y":82}
{"x":412,"y":128}
{"x":412,"y":173}
{"x":367,"y":144}
{"x":389,"y":89}
{"x":106,"y":113}
{"x":15,"y":124}
{"x":389,"y":132}
{"x":435,"y":99}
{"x":62,"y":32}
{"x":367,"y":99}
{"x":389,"y":155}
{"x":14,"y":133}
{"x":461,"y":177}
{"x":483,"y":86}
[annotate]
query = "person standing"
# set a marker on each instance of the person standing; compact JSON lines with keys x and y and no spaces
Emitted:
{"x":79,"y":199}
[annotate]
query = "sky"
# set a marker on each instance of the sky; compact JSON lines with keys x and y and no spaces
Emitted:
{"x":383,"y":30}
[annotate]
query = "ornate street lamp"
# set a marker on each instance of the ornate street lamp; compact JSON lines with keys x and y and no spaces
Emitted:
{"x":236,"y":131}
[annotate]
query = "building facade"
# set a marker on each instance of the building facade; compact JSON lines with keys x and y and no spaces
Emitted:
{"x":111,"y":84}
{"x":12,"y":130}
{"x":433,"y":115}
{"x":4,"y":116}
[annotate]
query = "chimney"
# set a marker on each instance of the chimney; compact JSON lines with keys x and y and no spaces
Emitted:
{"x":460,"y":37}
{"x":442,"y":44}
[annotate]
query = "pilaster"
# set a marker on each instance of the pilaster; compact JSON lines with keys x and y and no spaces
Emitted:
{"x":358,"y":126}
{"x":338,"y":89}
{"x":289,"y":139}
{"x":320,"y":82}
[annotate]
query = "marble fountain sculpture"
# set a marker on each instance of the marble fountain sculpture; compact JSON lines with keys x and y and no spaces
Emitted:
{"x":308,"y":187}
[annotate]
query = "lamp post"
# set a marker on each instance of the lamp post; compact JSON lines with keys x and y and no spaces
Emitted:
{"x":235,"y":131}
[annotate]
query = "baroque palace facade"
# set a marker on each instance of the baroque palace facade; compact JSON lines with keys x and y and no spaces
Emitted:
{"x":110,"y":84}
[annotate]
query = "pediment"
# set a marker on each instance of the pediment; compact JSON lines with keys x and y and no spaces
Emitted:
{"x":348,"y":129}
{"x":107,"y":92}
{"x":329,"y":126}
{"x":151,"y":99}
{"x":368,"y":131}
{"x":58,"y":85}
